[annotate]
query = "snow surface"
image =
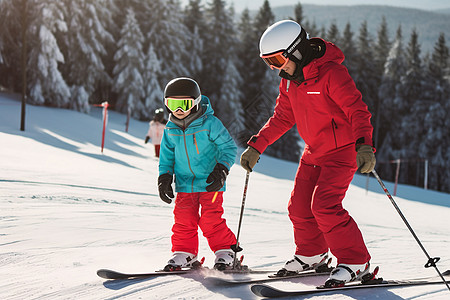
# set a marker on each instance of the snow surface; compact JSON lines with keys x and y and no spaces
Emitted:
{"x":68,"y":210}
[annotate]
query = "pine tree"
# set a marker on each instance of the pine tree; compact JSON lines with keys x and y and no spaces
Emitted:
{"x":348,"y":48}
{"x":229,"y":98}
{"x":153,"y":91}
{"x":365,"y":77}
{"x":129,"y":58}
{"x":46,"y":84}
{"x":390,"y":121}
{"x":435,"y":143}
{"x":254,"y":71}
{"x":195,"y":23}
{"x":11,"y":22}
{"x":381,"y":50}
{"x":333,"y":34}
{"x":169,"y":37}
{"x":218,"y":49}
{"x":411,"y":108}
{"x":83,"y":47}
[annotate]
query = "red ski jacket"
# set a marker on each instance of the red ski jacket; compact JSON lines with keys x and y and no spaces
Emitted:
{"x":327,"y":108}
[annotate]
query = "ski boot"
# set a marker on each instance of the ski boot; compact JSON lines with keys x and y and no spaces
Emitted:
{"x":224,"y":259}
{"x":344,"y":273}
{"x":180,"y":260}
{"x":302,"y":263}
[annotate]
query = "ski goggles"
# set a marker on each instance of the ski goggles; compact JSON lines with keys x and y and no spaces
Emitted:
{"x":275,"y":60}
{"x":185,"y":104}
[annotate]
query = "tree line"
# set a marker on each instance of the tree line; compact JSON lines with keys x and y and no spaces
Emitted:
{"x":78,"y":53}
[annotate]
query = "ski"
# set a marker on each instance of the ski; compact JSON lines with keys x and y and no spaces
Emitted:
{"x":111,"y":274}
{"x":249,"y":278}
{"x":267,"y":291}
{"x":114,"y":275}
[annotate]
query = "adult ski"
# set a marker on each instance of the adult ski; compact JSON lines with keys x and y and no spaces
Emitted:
{"x":267,"y":291}
{"x":250,"y":278}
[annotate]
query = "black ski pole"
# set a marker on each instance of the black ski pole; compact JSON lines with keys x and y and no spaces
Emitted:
{"x":431,"y":261}
{"x":236,"y":247}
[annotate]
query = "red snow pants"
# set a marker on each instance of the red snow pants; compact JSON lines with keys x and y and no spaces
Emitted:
{"x":210,"y":221}
{"x":315,"y":208}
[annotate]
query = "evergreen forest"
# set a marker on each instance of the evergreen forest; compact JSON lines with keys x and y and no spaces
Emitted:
{"x":74,"y":54}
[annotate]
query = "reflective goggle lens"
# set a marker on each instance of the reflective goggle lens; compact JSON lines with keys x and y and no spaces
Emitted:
{"x":185,"y":104}
{"x":276,"y":60}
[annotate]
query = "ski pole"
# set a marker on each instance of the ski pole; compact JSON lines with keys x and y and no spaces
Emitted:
{"x":236,"y":247}
{"x":431,"y":261}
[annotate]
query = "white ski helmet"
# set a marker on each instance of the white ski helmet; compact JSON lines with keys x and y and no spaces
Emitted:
{"x":287,"y":36}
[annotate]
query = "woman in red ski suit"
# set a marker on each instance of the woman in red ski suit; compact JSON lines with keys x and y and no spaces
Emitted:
{"x":322,"y":100}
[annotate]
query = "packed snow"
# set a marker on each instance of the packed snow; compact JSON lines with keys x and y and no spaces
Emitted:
{"x":68,"y":210}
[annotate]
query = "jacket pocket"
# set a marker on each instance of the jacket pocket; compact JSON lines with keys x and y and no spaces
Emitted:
{"x":334,"y":127}
{"x":195,"y":143}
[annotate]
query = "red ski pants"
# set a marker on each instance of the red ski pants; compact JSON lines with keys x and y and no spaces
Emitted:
{"x":315,"y":208}
{"x":210,"y":221}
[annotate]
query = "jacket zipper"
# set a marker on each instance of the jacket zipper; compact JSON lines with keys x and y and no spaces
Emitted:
{"x":188,"y":160}
{"x":334,"y":126}
{"x":195,"y":143}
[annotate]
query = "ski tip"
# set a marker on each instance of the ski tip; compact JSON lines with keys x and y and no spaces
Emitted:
{"x":102,"y":273}
{"x":446,"y":273}
{"x":257,"y":288}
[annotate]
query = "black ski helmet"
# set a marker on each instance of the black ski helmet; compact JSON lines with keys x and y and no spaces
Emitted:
{"x":183,"y":86}
{"x":159,"y":114}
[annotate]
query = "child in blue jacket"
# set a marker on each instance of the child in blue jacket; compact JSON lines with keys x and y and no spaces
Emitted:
{"x":199,"y":151}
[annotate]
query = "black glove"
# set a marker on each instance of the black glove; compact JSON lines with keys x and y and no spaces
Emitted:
{"x":165,"y":188}
{"x":146,"y":139}
{"x":217,"y":177}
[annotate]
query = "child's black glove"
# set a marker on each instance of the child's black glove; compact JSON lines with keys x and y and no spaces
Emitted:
{"x":217,"y":177}
{"x":146,"y":139}
{"x":165,"y":188}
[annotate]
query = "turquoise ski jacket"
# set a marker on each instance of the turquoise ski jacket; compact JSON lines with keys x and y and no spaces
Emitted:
{"x":191,"y":154}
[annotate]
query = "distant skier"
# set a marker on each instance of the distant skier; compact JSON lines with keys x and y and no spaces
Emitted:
{"x":199,"y":151}
{"x":317,"y":94}
{"x":156,"y":129}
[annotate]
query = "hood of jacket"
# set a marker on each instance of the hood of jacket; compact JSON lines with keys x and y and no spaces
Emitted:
{"x":332,"y":54}
{"x":195,"y":117}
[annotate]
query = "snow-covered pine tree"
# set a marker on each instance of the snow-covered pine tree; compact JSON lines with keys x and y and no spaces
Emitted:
{"x":381,"y":51}
{"x":83,"y":47}
{"x":153,"y":90}
{"x":46,"y":83}
{"x":365,"y":77}
{"x":219,"y":38}
{"x":11,"y":22}
{"x":129,"y":58}
{"x":394,"y":68}
{"x":253,"y":70}
{"x":390,"y":121}
{"x":435,"y":144}
{"x":333,"y":34}
{"x":169,"y":37}
{"x":194,"y":21}
{"x":347,"y":46}
{"x":229,"y":101}
{"x":411,"y":108}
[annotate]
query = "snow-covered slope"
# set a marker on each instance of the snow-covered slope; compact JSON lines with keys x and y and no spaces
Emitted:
{"x":68,"y":210}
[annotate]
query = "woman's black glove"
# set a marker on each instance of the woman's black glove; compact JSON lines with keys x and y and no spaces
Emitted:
{"x":217,"y":177}
{"x":165,"y":188}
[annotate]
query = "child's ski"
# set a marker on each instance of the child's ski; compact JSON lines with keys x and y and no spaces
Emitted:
{"x":253,"y":279}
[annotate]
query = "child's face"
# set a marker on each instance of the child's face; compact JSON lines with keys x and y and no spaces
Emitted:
{"x":179,"y":113}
